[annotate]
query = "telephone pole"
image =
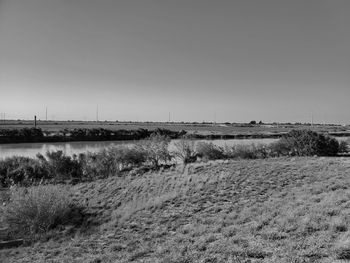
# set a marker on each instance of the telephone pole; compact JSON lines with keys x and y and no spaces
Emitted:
{"x":97,"y":113}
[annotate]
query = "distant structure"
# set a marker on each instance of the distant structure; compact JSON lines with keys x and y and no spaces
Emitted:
{"x":97,"y":113}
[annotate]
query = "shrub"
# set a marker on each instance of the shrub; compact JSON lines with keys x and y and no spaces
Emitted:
{"x":129,"y":156}
{"x":62,"y":167}
{"x":156,"y":149}
{"x":37,"y":209}
{"x":185,"y":151}
{"x":99,"y":165}
{"x":21,"y":171}
{"x":306,"y":143}
{"x":280,"y":148}
{"x":343,"y":147}
{"x":251,"y":151}
{"x":111,"y":161}
{"x":210,"y":151}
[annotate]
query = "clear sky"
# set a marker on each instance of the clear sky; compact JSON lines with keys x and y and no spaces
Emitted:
{"x":233,"y":60}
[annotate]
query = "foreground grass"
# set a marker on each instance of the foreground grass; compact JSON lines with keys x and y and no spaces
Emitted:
{"x":273,"y":210}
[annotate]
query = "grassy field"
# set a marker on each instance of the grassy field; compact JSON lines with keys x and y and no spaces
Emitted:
{"x":272,"y":210}
{"x":200,"y":128}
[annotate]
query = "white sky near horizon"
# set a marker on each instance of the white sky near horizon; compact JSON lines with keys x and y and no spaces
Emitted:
{"x":200,"y":60}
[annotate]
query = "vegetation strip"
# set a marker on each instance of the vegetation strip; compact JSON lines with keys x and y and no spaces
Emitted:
{"x":153,"y":154}
{"x":27,"y":135}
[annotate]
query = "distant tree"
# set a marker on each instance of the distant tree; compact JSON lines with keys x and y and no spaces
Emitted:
{"x":252,"y":122}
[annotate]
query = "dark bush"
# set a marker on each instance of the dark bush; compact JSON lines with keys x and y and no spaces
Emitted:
{"x":185,"y":151}
{"x":305,"y":143}
{"x":21,"y":171}
{"x":247,"y":151}
{"x":343,"y":147}
{"x":129,"y":156}
{"x":62,"y":167}
{"x":210,"y":151}
{"x":99,"y":165}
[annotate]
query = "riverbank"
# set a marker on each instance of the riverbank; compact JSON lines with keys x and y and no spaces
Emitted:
{"x":37,"y":135}
{"x":69,"y":131}
{"x":272,"y":210}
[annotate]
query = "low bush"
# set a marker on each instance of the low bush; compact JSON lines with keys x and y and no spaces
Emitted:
{"x":36,"y":210}
{"x":112,"y":161}
{"x":251,"y":151}
{"x":99,"y":165}
{"x":21,"y":171}
{"x":344,"y":147}
{"x":185,"y":150}
{"x":129,"y":156}
{"x":62,"y":167}
{"x":305,"y":143}
{"x":156,"y":149}
{"x":210,"y":151}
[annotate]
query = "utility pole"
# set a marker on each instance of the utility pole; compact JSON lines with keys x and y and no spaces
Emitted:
{"x":46,"y":114}
{"x":35,"y":121}
{"x":169,"y":117}
{"x":97,"y":113}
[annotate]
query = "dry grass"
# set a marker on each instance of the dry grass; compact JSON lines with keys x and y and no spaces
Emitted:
{"x":275,"y":210}
{"x":34,"y":210}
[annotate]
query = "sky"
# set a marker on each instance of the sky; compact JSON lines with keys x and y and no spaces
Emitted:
{"x":199,"y":60}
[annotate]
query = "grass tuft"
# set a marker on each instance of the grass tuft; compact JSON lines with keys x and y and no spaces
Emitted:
{"x":36,"y":210}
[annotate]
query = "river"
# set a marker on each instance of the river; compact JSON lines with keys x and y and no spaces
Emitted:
{"x":70,"y":148}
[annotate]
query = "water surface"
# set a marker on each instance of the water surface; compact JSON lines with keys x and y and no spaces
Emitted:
{"x":70,"y":148}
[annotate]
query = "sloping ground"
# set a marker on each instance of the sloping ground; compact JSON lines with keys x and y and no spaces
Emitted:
{"x":275,"y":210}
